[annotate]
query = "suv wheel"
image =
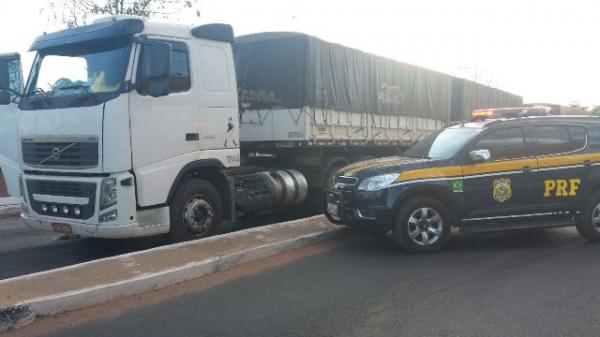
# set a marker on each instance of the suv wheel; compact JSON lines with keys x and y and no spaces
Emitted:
{"x":588,"y":222}
{"x":196,"y":210}
{"x":422,"y":225}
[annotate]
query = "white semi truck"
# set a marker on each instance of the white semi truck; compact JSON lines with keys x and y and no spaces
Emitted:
{"x":128,"y":128}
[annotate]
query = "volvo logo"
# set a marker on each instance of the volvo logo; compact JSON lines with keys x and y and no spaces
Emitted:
{"x":56,"y":152}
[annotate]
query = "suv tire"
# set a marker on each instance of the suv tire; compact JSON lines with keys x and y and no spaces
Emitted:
{"x":588,"y":221}
{"x":422,"y":225}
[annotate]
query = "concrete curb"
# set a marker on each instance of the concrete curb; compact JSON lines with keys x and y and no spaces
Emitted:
{"x":10,"y":207}
{"x":10,"y":211}
{"x":25,"y":312}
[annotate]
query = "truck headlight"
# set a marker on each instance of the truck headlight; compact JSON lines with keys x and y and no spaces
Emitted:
{"x":108,"y":193}
{"x":378,"y":182}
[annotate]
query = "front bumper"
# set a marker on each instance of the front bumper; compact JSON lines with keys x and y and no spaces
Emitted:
{"x":104,"y":231}
{"x":360,"y":211}
{"x":84,"y":193}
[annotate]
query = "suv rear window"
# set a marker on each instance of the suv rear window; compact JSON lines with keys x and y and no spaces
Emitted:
{"x":554,"y":139}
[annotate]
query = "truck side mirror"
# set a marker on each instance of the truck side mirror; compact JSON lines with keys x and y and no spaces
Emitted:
{"x":156,"y":61}
{"x":158,"y":88}
{"x":4,"y":98}
{"x":4,"y":75}
{"x":480,"y":156}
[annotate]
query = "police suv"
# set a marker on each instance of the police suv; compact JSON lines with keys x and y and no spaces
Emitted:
{"x":479,"y":176}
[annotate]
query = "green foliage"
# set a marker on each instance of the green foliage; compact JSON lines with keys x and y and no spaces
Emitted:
{"x":73,"y":13}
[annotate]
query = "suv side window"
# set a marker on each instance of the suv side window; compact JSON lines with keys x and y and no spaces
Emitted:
{"x":504,"y":144}
{"x":578,"y":137}
{"x":179,"y":79}
{"x":553,"y":139}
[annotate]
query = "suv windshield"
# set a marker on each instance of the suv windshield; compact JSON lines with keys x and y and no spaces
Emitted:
{"x":442,"y":144}
{"x":77,"y":75}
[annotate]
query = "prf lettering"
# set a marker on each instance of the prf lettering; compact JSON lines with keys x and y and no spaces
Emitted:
{"x":561,"y":187}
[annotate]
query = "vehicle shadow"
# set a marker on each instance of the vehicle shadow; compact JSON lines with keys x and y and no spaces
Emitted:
{"x":523,"y":239}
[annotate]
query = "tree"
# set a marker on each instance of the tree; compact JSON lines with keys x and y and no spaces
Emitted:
{"x":75,"y":13}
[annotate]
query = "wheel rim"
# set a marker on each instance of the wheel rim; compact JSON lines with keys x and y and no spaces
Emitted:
{"x":198,"y":215}
{"x":596,"y":217}
{"x":425,"y":226}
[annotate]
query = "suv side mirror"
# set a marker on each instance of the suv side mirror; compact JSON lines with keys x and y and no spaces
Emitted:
{"x":156,"y":61}
{"x":4,"y":98}
{"x":480,"y":156}
{"x":4,"y":75}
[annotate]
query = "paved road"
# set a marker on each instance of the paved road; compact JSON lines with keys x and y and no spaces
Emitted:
{"x":529,"y":283}
{"x":24,"y":251}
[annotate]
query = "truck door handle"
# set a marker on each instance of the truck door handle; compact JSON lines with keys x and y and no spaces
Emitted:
{"x":526,"y":169}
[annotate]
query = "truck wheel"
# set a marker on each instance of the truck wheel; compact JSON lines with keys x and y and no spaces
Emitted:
{"x":422,"y":225}
{"x":196,"y":210}
{"x":588,"y":222}
{"x":320,"y":202}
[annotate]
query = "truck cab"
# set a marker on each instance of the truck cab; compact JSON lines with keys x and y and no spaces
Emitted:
{"x":113,"y":117}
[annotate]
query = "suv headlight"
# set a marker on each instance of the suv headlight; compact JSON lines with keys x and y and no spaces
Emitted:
{"x":378,"y":182}
{"x":108,"y":193}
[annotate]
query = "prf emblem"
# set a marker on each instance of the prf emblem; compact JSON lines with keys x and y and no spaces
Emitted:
{"x":561,"y":187}
{"x":502,"y":190}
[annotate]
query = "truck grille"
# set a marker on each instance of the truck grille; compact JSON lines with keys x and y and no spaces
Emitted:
{"x":74,"y":152}
{"x":347,"y":181}
{"x":62,"y":189}
{"x":65,"y":189}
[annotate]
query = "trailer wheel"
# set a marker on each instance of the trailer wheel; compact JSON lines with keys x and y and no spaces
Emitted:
{"x":588,"y":222}
{"x":196,"y":210}
{"x":422,"y":225}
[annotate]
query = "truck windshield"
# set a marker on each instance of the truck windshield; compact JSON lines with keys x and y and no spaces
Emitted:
{"x":442,"y":144}
{"x":77,"y":75}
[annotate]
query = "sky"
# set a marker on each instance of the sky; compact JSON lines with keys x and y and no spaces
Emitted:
{"x":545,"y":51}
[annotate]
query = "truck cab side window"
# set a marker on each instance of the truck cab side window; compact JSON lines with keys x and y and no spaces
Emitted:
{"x":14,"y":69}
{"x":503,"y":144}
{"x":559,"y":139}
{"x":179,"y":79}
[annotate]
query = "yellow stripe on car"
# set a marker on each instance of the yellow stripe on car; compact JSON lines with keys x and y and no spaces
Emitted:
{"x":359,"y":167}
{"x":566,"y":160}
{"x":428,"y":173}
{"x":499,"y":166}
{"x":477,"y":169}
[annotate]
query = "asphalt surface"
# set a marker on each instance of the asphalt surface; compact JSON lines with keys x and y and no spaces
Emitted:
{"x":24,"y":250}
{"x":526,"y":283}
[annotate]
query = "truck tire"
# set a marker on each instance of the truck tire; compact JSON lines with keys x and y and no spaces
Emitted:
{"x":422,"y":225}
{"x":196,"y":211}
{"x":588,"y":221}
{"x":316,"y":200}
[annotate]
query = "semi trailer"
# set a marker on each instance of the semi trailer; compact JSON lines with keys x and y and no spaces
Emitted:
{"x":129,"y":128}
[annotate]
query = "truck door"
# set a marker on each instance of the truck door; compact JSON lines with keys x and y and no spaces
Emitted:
{"x":9,"y":140}
{"x":564,"y":166}
{"x":503,"y":185}
{"x":197,"y":120}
